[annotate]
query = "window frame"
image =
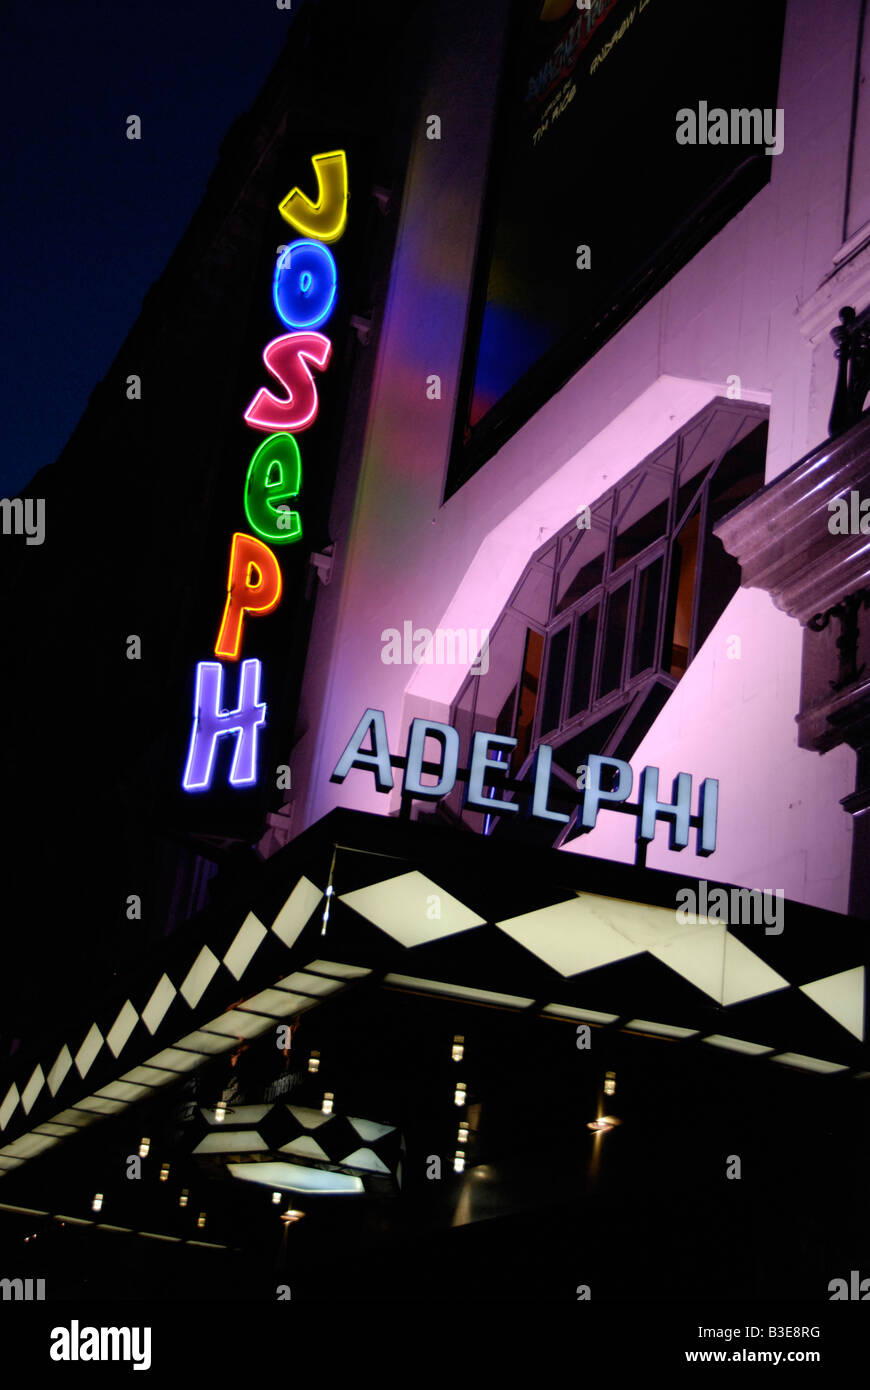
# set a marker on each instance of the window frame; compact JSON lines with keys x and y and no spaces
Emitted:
{"x":748,"y":416}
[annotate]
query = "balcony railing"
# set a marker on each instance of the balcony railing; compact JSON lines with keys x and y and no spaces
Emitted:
{"x":852,"y":339}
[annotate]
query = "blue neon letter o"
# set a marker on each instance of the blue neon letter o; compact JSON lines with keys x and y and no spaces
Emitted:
{"x":305,"y":284}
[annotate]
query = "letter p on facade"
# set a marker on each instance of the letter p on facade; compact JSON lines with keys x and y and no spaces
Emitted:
{"x":594,"y":796}
{"x":253,"y":586}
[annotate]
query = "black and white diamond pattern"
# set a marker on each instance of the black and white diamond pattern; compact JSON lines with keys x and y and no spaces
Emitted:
{"x":465,"y":917}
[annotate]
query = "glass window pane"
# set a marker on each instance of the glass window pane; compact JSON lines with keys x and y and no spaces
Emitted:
{"x":614,"y":639}
{"x":643,"y":514}
{"x":584,"y":657}
{"x":532,"y":596}
{"x":462,"y":720}
{"x":739,"y":475}
{"x":720,"y":580}
{"x":583,"y":570}
{"x":548,"y":559}
{"x":528,"y":701}
{"x":567,"y":543}
{"x":702,"y":446}
{"x":505,"y":720}
{"x":556,"y":663}
{"x":678,"y":628}
{"x":505,"y":659}
{"x":649,"y":586}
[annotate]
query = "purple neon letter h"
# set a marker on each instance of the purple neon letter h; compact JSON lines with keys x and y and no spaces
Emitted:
{"x":211,"y":722}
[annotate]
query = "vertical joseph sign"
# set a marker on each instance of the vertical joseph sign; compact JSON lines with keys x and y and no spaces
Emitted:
{"x":303,"y":293}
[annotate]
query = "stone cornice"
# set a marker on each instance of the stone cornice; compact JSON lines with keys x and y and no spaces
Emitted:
{"x":840,"y":717}
{"x":848,"y":284}
{"x":780,"y":536}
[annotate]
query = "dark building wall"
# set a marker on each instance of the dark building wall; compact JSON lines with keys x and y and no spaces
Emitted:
{"x":140,"y":508}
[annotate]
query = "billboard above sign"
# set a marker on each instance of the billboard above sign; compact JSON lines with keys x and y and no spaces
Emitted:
{"x":594,"y":202}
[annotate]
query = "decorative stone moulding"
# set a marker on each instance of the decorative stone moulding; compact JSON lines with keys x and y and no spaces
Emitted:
{"x":848,"y":283}
{"x":780,"y":537}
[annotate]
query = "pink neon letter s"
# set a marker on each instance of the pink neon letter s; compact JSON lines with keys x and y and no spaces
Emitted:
{"x":287,"y":359}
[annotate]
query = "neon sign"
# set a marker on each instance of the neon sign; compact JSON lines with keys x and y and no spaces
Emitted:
{"x":325,"y":219}
{"x":211,"y":723}
{"x":304,"y":289}
{"x":287,"y":358}
{"x":305,"y":284}
{"x":274,"y":475}
{"x":253,"y":586}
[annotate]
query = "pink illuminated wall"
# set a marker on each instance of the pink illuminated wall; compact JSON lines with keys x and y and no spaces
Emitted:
{"x":754,"y":303}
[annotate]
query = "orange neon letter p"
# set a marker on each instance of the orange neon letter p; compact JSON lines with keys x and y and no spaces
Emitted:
{"x":253,"y":586}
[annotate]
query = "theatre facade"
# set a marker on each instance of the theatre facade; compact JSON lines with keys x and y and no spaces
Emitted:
{"x":541,"y":750}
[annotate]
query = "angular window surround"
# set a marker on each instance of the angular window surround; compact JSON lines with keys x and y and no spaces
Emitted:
{"x":631,"y":589}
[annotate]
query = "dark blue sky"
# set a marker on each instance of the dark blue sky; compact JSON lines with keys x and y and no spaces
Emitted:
{"x":90,"y":218}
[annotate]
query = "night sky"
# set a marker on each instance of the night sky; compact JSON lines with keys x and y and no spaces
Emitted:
{"x":90,"y":218}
